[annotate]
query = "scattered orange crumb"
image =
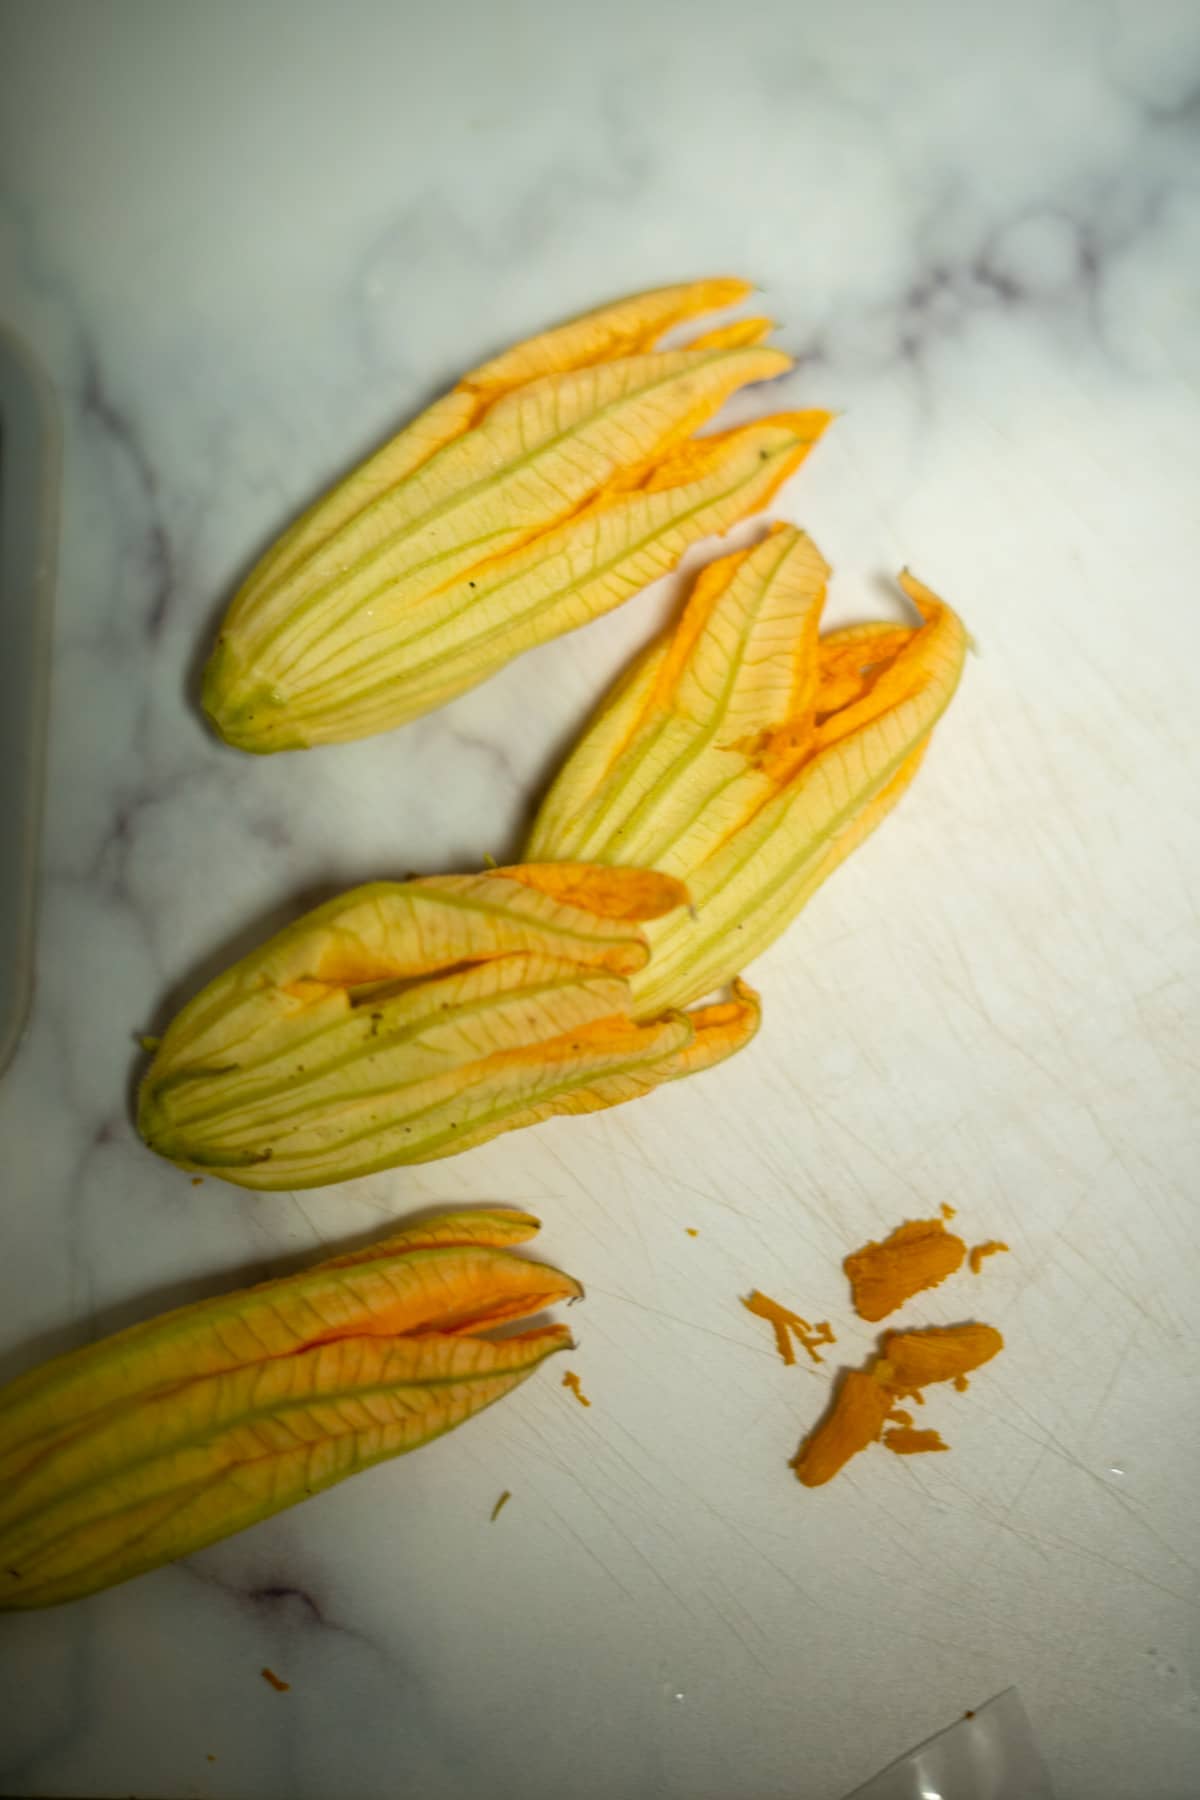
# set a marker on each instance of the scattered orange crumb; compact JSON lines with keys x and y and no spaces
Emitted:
{"x":947,"y":1211}
{"x":501,"y":1503}
{"x":898,"y":1416}
{"x":197,"y":1181}
{"x":856,"y":1419}
{"x":788,"y":1325}
{"x":917,"y":1255}
{"x":969,"y":1714}
{"x":281,"y":1687}
{"x":961,"y":1384}
{"x":210,"y":1757}
{"x":571,"y":1380}
{"x":691,"y":1231}
{"x":912,"y":1359}
{"x":993,"y":1247}
{"x":904,"y":1441}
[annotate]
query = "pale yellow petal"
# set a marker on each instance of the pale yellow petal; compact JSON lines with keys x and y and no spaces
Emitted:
{"x":378,"y":1072}
{"x":535,"y":457}
{"x":437,"y":426}
{"x":746,"y":893}
{"x":468,"y":1104}
{"x":301,"y":980}
{"x":416,"y":1287}
{"x":160,"y":1478}
{"x":737,"y":671}
{"x":407,"y":660}
{"x":498,"y":1228}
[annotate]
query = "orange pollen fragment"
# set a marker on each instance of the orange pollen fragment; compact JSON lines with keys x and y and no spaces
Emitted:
{"x":691,"y":1231}
{"x":992,"y":1248}
{"x":912,"y":1359}
{"x":788,"y":1325}
{"x":917,"y":1255}
{"x":961,"y":1383}
{"x":281,"y":1687}
{"x":571,"y":1380}
{"x":904,"y":1441}
{"x":866,"y":1400}
{"x":948,"y":1211}
{"x":855,"y":1420}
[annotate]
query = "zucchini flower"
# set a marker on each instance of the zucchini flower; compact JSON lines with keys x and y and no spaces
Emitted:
{"x":747,"y":757}
{"x":405,"y":1021}
{"x":148,"y":1445}
{"x":545,"y":489}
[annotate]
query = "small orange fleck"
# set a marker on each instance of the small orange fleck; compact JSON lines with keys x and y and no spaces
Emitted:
{"x":961,"y":1383}
{"x":993,"y":1247}
{"x":281,"y":1687}
{"x":904,"y":1441}
{"x":571,"y":1380}
{"x":197,"y":1181}
{"x":898,"y":1416}
{"x":210,"y":1757}
{"x":968,"y":1714}
{"x":948,"y":1211}
{"x":788,"y":1325}
{"x":501,"y":1503}
{"x":691,"y":1231}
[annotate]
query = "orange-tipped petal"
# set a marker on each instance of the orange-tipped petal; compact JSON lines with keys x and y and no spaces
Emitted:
{"x":689,"y":768}
{"x":755,"y":883}
{"x":736,"y":335}
{"x":622,"y":328}
{"x":720,"y":1030}
{"x":193,"y":1465}
{"x":405,"y":660}
{"x":339,"y":1006}
{"x":497,"y":1228}
{"x":748,"y":759}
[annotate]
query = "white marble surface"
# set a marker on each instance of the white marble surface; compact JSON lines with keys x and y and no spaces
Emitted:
{"x":248,"y":241}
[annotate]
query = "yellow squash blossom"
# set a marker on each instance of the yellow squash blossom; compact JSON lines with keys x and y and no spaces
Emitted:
{"x":408,"y":1020}
{"x":747,"y":756}
{"x":545,"y":489}
{"x":148,"y":1445}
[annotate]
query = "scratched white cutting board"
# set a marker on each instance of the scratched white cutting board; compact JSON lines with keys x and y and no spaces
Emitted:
{"x":246,"y":243}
